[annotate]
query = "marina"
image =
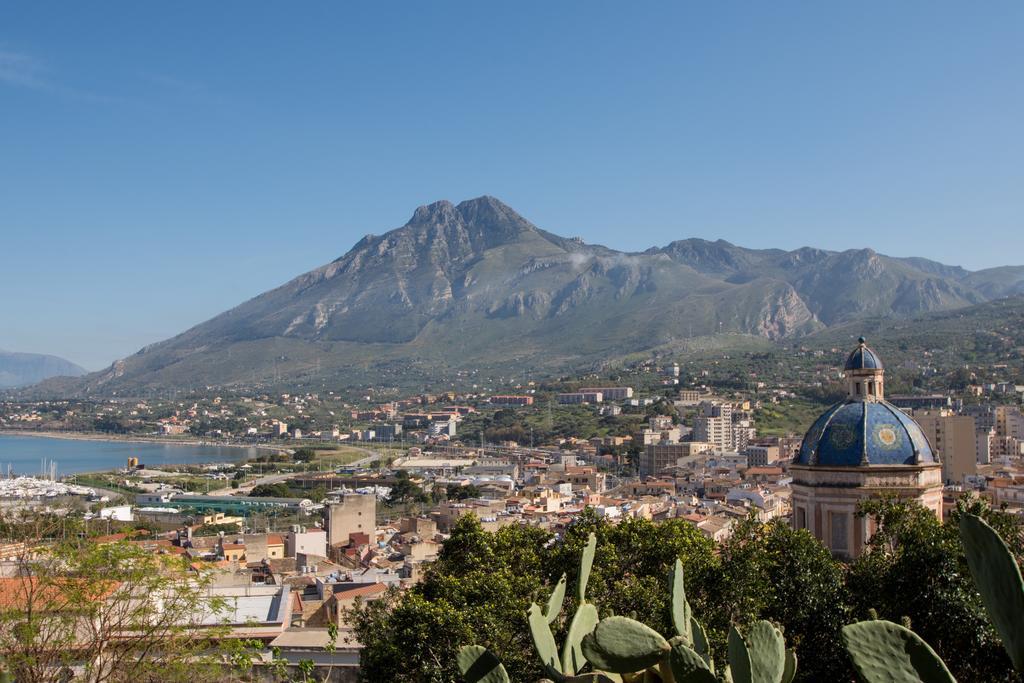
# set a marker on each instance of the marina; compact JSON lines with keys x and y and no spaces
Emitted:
{"x":34,"y":488}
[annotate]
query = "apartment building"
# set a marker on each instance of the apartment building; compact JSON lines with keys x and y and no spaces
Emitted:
{"x":690,"y":397}
{"x":579,"y":397}
{"x":761,"y":456}
{"x":657,"y":458}
{"x":713,"y":424}
{"x":610,"y":393}
{"x":953,"y":439}
{"x":511,"y":400}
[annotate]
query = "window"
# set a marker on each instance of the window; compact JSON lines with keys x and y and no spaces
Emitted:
{"x":801,"y":518}
{"x":858,"y":388}
{"x":840,"y":522}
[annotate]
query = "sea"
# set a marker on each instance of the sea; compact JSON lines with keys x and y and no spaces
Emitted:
{"x":32,"y":455}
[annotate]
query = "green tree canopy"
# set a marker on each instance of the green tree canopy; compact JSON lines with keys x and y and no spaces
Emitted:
{"x":483,"y":583}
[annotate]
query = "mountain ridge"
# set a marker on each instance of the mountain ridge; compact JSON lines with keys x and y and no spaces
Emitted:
{"x":18,"y":369}
{"x":476,"y":284}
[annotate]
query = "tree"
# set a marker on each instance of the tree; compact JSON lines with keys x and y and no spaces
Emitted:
{"x":632,"y":565}
{"x":457,"y":492}
{"x":482,"y":584}
{"x":304,"y":454}
{"x":215,"y":529}
{"x":771,"y":571}
{"x":915,"y":568}
{"x":405,"y":490}
{"x":278,"y":490}
{"x":478,"y":591}
{"x":109,"y":612}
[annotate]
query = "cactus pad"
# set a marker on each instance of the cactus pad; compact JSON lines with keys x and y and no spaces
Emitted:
{"x":998,"y":579}
{"x":543,"y":640}
{"x":622,"y":645}
{"x":583,"y":622}
{"x":767,"y":652}
{"x":554,"y":606}
{"x":586,"y":563}
{"x":479,"y":665}
{"x":884,"y":651}
{"x":681,"y":613}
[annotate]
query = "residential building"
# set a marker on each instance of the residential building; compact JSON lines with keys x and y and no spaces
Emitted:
{"x":1009,"y":422}
{"x":354,"y":513}
{"x":579,"y":397}
{"x":761,"y":456}
{"x":713,"y":424}
{"x":442,"y":425}
{"x":690,"y":397}
{"x":983,"y":444}
{"x":389,"y":432}
{"x":508,"y":400}
{"x":610,"y":393}
{"x":657,"y":458}
{"x":305,"y":542}
{"x":953,"y":439}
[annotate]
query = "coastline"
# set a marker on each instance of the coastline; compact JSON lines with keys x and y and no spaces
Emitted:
{"x":87,"y":436}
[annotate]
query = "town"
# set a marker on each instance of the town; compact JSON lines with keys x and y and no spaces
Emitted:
{"x":350,"y":498}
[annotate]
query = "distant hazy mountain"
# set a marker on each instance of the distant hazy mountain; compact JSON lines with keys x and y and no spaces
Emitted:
{"x":477,"y":285}
{"x":23,"y":369}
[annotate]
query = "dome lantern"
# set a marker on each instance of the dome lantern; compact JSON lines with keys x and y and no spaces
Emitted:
{"x":865,"y":375}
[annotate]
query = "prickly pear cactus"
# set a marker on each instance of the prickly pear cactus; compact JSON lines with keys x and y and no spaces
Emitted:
{"x":998,"y":578}
{"x":682,"y":615}
{"x":700,"y":641}
{"x":884,"y":652}
{"x":583,"y":622}
{"x":477,"y":664}
{"x":760,"y":656}
{"x":586,"y":563}
{"x":789,"y":673}
{"x":687,"y":665}
{"x":739,"y":658}
{"x":554,"y":606}
{"x":544,"y":641}
{"x":621,"y":645}
{"x":767,"y":651}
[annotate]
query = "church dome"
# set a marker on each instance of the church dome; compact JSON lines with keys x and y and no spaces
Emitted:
{"x":863,"y":358}
{"x":855,"y":433}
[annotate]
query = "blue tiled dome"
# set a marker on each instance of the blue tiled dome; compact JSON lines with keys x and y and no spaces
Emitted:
{"x":863,"y":358}
{"x":855,"y":433}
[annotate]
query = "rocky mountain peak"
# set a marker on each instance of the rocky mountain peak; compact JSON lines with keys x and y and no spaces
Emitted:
{"x":438,"y":212}
{"x":478,"y":224}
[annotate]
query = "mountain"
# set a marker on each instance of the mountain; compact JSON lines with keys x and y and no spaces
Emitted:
{"x":476,"y":286}
{"x":837,"y":286}
{"x":23,"y":369}
{"x":998,"y":282}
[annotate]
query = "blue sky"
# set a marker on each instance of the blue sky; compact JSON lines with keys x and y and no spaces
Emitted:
{"x":161,"y":162}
